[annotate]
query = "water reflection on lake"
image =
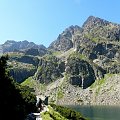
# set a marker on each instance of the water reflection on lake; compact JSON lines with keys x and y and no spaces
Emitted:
{"x":99,"y":112}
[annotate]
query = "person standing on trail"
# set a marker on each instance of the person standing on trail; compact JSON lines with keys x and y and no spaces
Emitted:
{"x":39,"y":105}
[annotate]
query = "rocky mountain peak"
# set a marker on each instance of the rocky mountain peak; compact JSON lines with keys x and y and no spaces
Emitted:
{"x":72,"y":29}
{"x":64,"y":40}
{"x":94,"y":21}
{"x":9,"y":42}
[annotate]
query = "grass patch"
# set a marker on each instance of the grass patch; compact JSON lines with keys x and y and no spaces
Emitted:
{"x":56,"y":53}
{"x":28,"y":82}
{"x":77,"y":55}
{"x":60,"y":94}
{"x":52,"y":115}
{"x":98,"y":84}
{"x":34,"y":84}
{"x":46,"y":116}
{"x":94,"y":39}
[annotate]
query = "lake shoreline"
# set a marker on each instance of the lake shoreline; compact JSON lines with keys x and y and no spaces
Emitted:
{"x":98,"y":112}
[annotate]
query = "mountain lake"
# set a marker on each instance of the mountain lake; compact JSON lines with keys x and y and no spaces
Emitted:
{"x":98,"y":112}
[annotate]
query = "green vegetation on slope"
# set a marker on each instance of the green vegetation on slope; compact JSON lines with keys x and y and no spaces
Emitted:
{"x":98,"y":84}
{"x":29,"y":82}
{"x":60,"y":94}
{"x":14,"y":98}
{"x":52,"y":115}
{"x":34,"y":84}
{"x":68,"y":113}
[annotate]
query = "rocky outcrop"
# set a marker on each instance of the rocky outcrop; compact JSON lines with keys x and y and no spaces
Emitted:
{"x":26,"y":59}
{"x":93,"y":22}
{"x":21,"y":67}
{"x":80,"y":72}
{"x":21,"y":73}
{"x":36,"y":52}
{"x":65,"y":40}
{"x":50,"y":68}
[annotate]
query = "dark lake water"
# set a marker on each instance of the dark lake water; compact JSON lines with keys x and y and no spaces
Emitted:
{"x":99,"y":112}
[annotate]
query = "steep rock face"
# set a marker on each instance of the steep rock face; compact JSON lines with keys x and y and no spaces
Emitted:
{"x":26,"y":59}
{"x":21,"y":73}
{"x":80,"y":71}
{"x":32,"y":51}
{"x":99,"y":42}
{"x":64,"y":41}
{"x":22,"y":66}
{"x":36,"y":51}
{"x":102,"y":54}
{"x":50,"y":68}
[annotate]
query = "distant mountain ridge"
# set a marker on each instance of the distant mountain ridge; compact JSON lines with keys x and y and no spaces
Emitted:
{"x":22,"y":46}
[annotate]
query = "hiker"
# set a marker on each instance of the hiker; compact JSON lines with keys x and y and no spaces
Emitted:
{"x":39,"y":105}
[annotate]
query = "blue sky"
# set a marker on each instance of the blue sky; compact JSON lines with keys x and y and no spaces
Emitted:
{"x":41,"y":21}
